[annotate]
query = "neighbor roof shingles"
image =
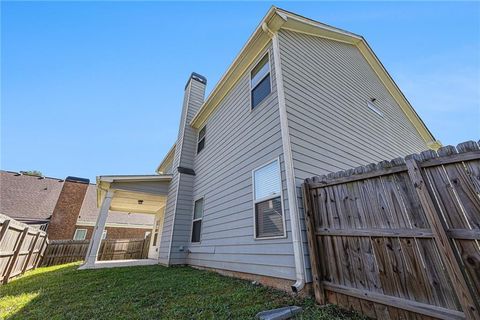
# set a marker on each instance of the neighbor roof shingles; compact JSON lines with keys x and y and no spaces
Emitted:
{"x":28,"y":197}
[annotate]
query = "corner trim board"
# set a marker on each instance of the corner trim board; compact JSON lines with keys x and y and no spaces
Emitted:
{"x":289,"y":171}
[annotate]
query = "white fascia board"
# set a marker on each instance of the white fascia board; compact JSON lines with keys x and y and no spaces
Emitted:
{"x":134,"y":178}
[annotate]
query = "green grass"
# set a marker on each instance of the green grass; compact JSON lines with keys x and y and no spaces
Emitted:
{"x":149,"y":292}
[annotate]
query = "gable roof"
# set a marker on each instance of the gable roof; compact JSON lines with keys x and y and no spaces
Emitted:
{"x":167,"y":160}
{"x":31,"y":198}
{"x":277,"y":19}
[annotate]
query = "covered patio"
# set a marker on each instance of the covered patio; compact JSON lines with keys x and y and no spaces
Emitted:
{"x":130,"y":194}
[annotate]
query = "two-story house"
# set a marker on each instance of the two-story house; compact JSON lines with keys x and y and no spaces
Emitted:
{"x":301,"y":99}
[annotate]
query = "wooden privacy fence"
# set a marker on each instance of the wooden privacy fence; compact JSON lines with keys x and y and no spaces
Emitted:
{"x":21,"y":248}
{"x":399,"y":239}
{"x":65,"y":251}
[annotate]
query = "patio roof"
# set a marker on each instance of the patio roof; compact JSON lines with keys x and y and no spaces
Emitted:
{"x":134,"y":193}
{"x":125,"y":193}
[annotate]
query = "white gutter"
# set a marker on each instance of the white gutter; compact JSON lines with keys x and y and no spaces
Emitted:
{"x":289,"y":170}
{"x":134,"y":178}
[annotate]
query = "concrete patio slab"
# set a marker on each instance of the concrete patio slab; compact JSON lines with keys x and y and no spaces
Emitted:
{"x":119,"y":263}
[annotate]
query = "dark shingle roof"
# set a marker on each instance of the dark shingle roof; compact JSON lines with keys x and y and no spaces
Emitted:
{"x":28,"y":197}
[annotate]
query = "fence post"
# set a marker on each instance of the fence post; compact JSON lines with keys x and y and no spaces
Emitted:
{"x":15,"y":255}
{"x":448,"y":254}
{"x":312,"y":244}
{"x":103,"y":249}
{"x":3,"y":231}
{"x":39,"y":257}
{"x":145,"y":248}
{"x":30,"y":252}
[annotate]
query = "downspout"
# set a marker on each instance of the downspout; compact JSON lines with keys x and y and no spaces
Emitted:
{"x":289,"y":171}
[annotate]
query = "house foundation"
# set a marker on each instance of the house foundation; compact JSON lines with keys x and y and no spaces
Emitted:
{"x":272,"y":282}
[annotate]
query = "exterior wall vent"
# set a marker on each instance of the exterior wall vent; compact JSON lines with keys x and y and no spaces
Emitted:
{"x":372,"y":107}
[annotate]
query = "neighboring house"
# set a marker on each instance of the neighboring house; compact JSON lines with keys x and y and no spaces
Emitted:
{"x":66,"y":209}
{"x":300,"y":99}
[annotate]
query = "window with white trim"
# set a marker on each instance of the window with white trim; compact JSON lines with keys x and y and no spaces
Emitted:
{"x":201,"y":139}
{"x":197,"y":220}
{"x":80,"y":234}
{"x":267,"y":199}
{"x":104,"y":235}
{"x":260,"y":85}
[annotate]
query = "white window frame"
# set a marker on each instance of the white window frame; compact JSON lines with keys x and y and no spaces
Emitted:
{"x":204,"y":136}
{"x":250,"y":80}
{"x":255,"y":201}
{"x":104,"y":234}
{"x":80,"y":229}
{"x":198,"y":219}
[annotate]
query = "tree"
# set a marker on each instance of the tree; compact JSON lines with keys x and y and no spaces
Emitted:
{"x":35,"y":173}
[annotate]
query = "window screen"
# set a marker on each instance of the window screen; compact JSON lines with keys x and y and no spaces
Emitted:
{"x":260,"y":81}
{"x":197,"y":220}
{"x":80,"y":234}
{"x":201,"y":139}
{"x":269,"y":220}
{"x":267,"y":181}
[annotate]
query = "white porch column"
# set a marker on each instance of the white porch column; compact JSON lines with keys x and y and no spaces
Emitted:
{"x":96,"y":238}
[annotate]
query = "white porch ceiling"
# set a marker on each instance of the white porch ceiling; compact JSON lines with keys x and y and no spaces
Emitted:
{"x":140,"y":194}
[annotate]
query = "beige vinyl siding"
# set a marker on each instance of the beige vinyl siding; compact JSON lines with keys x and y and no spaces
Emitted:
{"x":327,"y":86}
{"x":238,"y":141}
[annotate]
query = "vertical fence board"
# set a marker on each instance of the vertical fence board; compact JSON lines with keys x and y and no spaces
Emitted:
{"x":66,"y":251}
{"x":400,"y":239}
{"x":13,"y":262}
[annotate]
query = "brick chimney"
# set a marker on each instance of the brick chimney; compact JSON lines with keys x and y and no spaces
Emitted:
{"x":64,"y":216}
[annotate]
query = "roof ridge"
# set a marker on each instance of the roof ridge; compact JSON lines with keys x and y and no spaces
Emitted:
{"x":19,"y":173}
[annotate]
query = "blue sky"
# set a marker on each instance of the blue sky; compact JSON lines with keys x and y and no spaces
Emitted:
{"x":96,"y":88}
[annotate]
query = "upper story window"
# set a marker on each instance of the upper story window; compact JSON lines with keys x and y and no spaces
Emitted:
{"x":197,"y":220}
{"x":267,"y":199}
{"x":260,"y":81}
{"x":201,"y":139}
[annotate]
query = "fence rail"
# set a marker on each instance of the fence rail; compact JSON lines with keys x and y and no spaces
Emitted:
{"x":65,"y":251}
{"x":399,"y":239}
{"x":21,"y":248}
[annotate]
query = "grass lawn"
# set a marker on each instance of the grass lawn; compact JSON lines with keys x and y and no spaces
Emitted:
{"x":147,"y":292}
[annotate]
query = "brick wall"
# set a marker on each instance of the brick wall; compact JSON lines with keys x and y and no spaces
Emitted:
{"x":117,"y":233}
{"x":65,"y":214}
